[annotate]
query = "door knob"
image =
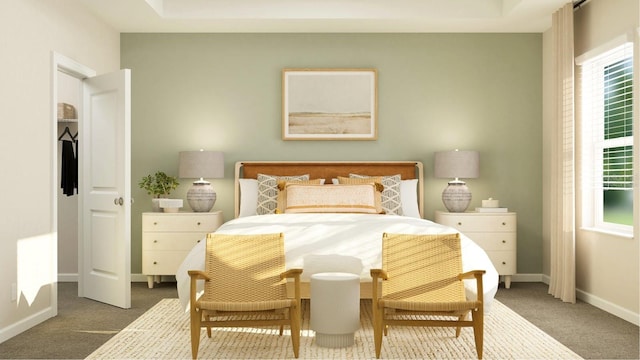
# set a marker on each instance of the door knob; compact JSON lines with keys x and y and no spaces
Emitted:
{"x":118,"y":201}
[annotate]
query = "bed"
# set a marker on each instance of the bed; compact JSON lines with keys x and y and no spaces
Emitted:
{"x":330,"y":239}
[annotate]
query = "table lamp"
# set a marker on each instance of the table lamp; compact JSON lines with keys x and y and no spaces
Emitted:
{"x":200,"y":165}
{"x":456,"y":164}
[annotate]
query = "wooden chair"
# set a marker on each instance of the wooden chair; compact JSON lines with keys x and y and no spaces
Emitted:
{"x":422,"y":275}
{"x":244,"y":275}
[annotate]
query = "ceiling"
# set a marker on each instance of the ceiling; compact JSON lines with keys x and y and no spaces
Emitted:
{"x":326,"y":15}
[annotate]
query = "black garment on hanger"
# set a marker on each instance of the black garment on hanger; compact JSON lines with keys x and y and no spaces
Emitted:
{"x":75,"y":162}
{"x":67,"y":132}
{"x":69,"y":171}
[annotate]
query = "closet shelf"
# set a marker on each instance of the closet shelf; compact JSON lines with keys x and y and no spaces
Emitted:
{"x":67,"y":120}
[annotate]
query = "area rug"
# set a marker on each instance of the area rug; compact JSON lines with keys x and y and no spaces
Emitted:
{"x":163,"y":333}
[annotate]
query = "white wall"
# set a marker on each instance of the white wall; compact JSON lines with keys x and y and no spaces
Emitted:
{"x":607,"y":266}
{"x":29,"y":31}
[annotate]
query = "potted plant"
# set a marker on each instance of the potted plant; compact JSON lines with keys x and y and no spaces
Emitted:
{"x":158,"y":186}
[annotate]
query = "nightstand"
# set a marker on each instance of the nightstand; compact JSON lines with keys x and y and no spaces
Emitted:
{"x":167,"y":238}
{"x":493,"y":232}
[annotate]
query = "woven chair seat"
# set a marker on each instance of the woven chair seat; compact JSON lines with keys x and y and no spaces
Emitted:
{"x":428,"y":307}
{"x":246,"y":306}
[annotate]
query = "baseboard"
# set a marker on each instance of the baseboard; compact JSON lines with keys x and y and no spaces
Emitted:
{"x":138,"y":278}
{"x":604,"y":305}
{"x":134,"y":278}
{"x":67,"y":277}
{"x":143,"y":278}
{"x":26,"y":323}
{"x":609,"y":307}
{"x":526,"y":278}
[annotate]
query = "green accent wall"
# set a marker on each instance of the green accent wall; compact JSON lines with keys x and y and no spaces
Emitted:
{"x":435,"y":92}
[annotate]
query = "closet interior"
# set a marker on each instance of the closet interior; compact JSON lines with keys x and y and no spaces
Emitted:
{"x":68,"y":99}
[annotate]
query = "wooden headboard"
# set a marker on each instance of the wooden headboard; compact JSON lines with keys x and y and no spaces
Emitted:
{"x":328,"y":170}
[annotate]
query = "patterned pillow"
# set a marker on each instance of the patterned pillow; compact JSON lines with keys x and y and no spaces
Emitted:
{"x":343,"y":198}
{"x":391,"y":200}
{"x":268,"y":191}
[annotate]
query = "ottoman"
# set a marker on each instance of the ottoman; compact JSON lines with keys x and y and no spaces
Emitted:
{"x":335,"y":308}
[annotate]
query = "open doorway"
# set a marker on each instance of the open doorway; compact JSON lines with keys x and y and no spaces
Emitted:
{"x":66,"y":82}
{"x":68,"y":95}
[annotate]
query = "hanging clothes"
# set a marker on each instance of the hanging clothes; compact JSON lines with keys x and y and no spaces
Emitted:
{"x":69,"y":170}
{"x":75,"y":177}
{"x":69,"y":167}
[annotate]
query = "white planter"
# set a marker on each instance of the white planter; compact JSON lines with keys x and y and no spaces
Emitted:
{"x":171,"y":205}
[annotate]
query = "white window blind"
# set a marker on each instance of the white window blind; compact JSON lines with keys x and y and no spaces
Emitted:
{"x":607,"y":113}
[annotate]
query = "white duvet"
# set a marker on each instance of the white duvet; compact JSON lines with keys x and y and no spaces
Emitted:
{"x":340,"y":242}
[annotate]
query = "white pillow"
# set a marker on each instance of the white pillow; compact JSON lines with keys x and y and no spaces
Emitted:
{"x":409,"y":198}
{"x":248,"y":197}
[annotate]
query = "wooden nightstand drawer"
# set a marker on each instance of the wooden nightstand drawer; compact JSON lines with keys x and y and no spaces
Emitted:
{"x":482,"y":222}
{"x":162,"y":262}
{"x":179,"y":222}
{"x":494,"y":241}
{"x":503,"y":261}
{"x":171,"y":241}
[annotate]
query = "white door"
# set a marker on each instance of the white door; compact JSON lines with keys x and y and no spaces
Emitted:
{"x":104,"y":161}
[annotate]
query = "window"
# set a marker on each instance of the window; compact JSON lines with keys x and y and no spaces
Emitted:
{"x":607,"y":151}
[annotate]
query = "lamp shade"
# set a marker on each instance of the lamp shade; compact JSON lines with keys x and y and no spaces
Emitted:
{"x":456,"y":164}
{"x":201,"y":164}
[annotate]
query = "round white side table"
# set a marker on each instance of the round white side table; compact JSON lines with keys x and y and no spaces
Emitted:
{"x":335,"y":308}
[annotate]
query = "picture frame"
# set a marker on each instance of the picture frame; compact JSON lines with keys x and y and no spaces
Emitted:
{"x":329,"y":104}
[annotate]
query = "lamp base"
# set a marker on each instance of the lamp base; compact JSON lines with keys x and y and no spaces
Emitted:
{"x":201,"y":196}
{"x":456,"y":197}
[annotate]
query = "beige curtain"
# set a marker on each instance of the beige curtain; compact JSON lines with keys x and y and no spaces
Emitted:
{"x":562,"y":283}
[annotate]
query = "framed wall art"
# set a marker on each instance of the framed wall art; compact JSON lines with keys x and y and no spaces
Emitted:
{"x":329,"y":104}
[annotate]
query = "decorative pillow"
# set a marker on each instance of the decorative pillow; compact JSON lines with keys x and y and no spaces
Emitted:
{"x":391,"y":200}
{"x":268,"y":191}
{"x":362,"y":198}
{"x":363,"y":180}
{"x":248,"y":197}
{"x":282,"y":191}
{"x":409,"y":196}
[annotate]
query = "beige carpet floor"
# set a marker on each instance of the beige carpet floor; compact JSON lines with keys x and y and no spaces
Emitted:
{"x":163,"y":333}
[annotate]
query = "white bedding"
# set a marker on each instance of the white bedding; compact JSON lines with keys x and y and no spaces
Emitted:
{"x":340,"y":242}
